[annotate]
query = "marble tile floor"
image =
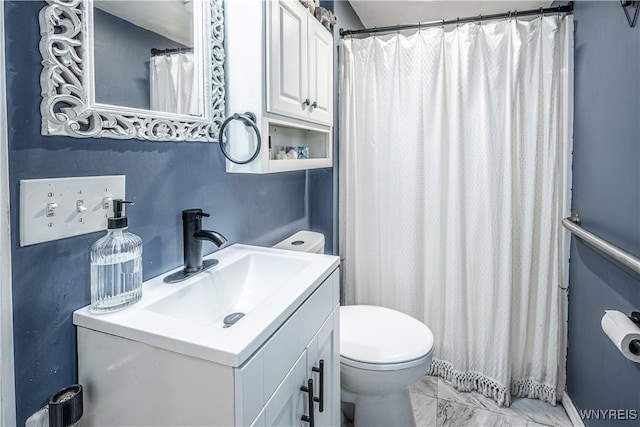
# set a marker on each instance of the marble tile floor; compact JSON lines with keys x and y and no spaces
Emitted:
{"x":435,"y":403}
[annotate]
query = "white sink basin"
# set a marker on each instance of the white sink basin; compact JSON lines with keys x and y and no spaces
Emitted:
{"x":237,"y":287}
{"x":265,"y":284}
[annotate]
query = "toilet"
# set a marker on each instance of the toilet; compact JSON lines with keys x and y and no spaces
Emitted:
{"x":382,"y":353}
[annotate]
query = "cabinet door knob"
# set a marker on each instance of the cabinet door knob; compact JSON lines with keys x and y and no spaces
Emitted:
{"x":309,"y":389}
{"x":320,"y":398}
{"x":307,"y":102}
{"x":315,"y":104}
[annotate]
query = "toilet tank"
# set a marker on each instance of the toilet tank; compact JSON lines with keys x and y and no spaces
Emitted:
{"x":303,"y":241}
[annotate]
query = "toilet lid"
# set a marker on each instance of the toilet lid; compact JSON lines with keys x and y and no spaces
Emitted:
{"x":379,"y":335}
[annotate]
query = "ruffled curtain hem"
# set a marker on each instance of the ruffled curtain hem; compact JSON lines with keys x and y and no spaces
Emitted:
{"x":475,"y":381}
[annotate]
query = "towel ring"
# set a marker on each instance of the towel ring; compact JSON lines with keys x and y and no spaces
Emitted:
{"x":249,"y":119}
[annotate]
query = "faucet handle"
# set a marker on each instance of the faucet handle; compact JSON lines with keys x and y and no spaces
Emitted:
{"x":193,"y":214}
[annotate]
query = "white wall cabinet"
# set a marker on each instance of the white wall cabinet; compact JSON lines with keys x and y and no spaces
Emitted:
{"x":279,"y":67}
{"x":132,"y":383}
{"x":300,"y":64}
{"x":287,"y":59}
{"x":320,"y":43}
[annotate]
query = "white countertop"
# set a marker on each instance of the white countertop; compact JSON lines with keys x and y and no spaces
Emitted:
{"x":206,"y":339}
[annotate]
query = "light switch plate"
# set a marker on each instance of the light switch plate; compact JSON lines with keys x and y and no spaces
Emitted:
{"x":55,"y":208}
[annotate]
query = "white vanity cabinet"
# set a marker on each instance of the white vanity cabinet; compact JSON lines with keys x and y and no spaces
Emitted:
{"x":300,"y":62}
{"x":279,"y":66}
{"x":319,"y":362}
{"x":310,"y":335}
{"x":324,"y":350}
{"x":128,"y":382}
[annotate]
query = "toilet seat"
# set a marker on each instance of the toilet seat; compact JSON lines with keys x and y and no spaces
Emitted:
{"x":386,"y":366}
{"x":381,"y":339}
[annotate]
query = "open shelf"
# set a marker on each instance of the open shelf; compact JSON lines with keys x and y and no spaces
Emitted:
{"x":280,"y":137}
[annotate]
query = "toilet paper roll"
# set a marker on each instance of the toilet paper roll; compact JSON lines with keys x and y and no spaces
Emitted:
{"x":621,"y":331}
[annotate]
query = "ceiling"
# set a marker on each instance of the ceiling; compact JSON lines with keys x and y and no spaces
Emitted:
{"x":169,"y":18}
{"x":378,"y":13}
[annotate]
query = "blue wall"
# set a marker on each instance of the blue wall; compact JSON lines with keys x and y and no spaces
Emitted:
{"x":606,"y":193}
{"x":51,"y":280}
{"x":323,"y":183}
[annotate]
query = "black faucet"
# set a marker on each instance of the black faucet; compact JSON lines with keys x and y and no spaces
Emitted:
{"x":192,"y":237}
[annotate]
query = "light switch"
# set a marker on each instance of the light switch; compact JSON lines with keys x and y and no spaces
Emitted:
{"x":51,"y":208}
{"x":106,"y":202}
{"x":80,"y":208}
{"x":56,"y":208}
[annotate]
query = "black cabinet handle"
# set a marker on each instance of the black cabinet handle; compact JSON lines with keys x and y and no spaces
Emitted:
{"x":309,"y":389}
{"x":315,"y":104}
{"x":320,"y":399}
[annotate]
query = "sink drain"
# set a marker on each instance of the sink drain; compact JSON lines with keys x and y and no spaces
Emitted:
{"x":231,"y":319}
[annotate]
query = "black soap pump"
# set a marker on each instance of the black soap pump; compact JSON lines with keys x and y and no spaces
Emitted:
{"x":116,"y":265}
{"x":118,"y":220}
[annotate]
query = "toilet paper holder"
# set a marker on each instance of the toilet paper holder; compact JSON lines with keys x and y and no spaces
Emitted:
{"x":634,"y":345}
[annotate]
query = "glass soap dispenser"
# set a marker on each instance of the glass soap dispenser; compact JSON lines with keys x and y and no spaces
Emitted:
{"x":116,"y":265}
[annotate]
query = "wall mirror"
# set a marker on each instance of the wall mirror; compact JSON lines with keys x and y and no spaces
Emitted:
{"x":150,"y":69}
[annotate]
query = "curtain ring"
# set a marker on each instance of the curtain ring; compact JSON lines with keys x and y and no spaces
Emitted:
{"x":541,"y":13}
{"x":397,"y":28}
{"x":457,"y":21}
{"x":480,"y":20}
{"x":443,"y":21}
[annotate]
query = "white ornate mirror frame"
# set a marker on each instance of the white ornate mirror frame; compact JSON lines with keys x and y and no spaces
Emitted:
{"x":68,"y":106}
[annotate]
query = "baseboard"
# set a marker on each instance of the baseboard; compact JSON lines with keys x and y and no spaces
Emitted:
{"x":574,"y":416}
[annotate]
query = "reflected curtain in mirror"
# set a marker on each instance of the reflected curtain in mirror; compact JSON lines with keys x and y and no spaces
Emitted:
{"x":173,"y":86}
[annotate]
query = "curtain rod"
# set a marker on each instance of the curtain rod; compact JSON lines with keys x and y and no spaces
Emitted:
{"x":567,"y":8}
{"x":158,"y":52}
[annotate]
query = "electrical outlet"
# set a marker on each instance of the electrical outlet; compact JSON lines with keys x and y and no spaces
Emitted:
{"x":52,"y":209}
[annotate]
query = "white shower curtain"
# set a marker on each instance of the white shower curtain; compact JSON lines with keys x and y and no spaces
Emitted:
{"x":174,"y":88}
{"x":453,"y":155}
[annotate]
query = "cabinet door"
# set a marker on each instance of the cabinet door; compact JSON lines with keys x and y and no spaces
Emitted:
{"x":325,"y":347}
{"x":320,"y":74}
{"x":288,"y":403}
{"x":288,"y":82}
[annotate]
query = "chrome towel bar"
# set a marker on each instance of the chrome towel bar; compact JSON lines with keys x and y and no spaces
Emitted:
{"x":628,"y":260}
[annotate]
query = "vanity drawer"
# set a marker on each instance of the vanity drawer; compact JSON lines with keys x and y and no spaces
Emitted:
{"x":254,"y":384}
